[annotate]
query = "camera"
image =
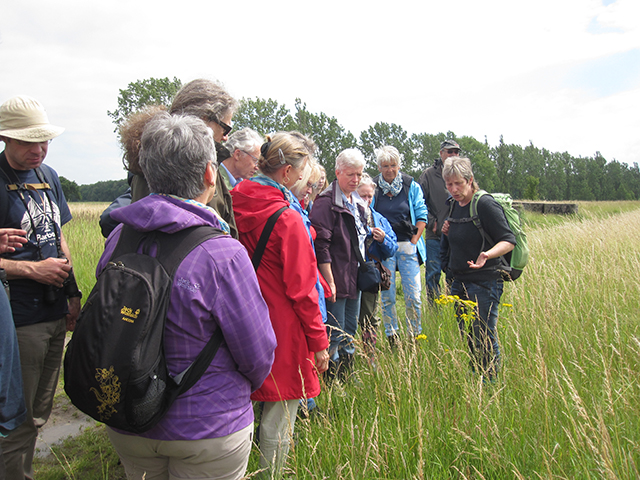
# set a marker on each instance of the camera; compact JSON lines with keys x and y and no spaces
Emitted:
{"x":69,"y":287}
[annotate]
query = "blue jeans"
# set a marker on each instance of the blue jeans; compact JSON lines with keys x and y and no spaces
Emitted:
{"x":482,"y":336}
{"x":432,"y":269}
{"x":409,"y":268}
{"x":342,"y":323}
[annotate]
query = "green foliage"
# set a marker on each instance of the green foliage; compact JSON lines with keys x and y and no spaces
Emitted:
{"x":150,"y":91}
{"x":264,"y":116}
{"x":506,"y":168}
{"x":331,"y":138}
{"x":104,"y":191}
{"x":531,"y":192}
{"x":71,"y":190}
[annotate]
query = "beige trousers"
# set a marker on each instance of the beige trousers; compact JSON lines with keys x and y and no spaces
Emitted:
{"x":223,"y":458}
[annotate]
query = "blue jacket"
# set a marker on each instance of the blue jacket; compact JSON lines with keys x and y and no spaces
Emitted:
{"x":389,"y":245}
{"x":418,"y":211}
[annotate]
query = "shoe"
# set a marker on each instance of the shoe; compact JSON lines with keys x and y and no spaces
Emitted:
{"x":394,"y":341}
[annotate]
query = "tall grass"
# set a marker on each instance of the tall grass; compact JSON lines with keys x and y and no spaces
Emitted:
{"x":85,"y":241}
{"x":566,"y":402}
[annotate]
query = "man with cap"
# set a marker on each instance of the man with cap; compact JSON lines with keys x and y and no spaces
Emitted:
{"x":45,"y":299}
{"x":435,"y":196}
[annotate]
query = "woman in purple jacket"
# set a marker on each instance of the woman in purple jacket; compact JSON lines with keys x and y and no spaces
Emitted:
{"x":207,"y":431}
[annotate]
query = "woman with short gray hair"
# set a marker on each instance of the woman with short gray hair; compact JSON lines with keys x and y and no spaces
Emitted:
{"x":207,"y":431}
{"x":338,"y":214}
{"x":399,"y":199}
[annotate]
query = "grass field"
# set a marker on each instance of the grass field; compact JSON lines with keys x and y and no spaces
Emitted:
{"x":566,"y":403}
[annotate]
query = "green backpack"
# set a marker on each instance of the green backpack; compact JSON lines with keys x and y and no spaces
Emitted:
{"x":514,"y":261}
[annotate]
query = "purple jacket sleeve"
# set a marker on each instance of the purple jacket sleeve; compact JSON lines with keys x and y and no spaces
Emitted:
{"x":243,"y":316}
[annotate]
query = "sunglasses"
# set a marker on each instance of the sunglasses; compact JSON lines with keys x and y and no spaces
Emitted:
{"x":453,"y":151}
{"x":226,"y":128}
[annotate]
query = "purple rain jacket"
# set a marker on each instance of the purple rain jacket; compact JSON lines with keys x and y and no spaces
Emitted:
{"x":214,"y":287}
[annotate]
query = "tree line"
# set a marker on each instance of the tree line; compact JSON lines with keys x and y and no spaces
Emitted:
{"x":526,"y":172}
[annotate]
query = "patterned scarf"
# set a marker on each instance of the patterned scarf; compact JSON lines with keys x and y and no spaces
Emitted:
{"x":394,"y":187}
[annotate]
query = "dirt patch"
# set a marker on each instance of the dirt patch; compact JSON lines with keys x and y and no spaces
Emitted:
{"x":65,"y":421}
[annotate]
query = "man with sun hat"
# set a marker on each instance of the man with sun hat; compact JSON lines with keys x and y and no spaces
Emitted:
{"x":45,"y":299}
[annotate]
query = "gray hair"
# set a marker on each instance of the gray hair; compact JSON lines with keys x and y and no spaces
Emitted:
{"x":204,"y":99}
{"x":388,"y":154}
{"x":366,"y":180}
{"x":245,"y":139}
{"x":458,"y":167}
{"x":350,"y":158}
{"x":174,"y":153}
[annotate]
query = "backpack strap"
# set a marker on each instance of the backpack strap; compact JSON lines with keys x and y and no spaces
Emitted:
{"x":264,"y":238}
{"x":473,"y":211}
{"x":171,"y":250}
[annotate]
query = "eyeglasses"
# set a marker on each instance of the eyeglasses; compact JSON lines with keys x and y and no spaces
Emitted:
{"x":226,"y":128}
{"x":452,"y":151}
{"x":247,"y":153}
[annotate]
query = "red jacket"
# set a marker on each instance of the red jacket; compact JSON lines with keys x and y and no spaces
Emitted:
{"x":287,"y":278}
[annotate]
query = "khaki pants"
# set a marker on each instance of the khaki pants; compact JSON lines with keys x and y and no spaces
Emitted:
{"x":41,"y":347}
{"x":220,"y":458}
{"x":276,"y":432}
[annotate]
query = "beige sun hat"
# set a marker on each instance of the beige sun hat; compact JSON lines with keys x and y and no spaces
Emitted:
{"x":24,"y":118}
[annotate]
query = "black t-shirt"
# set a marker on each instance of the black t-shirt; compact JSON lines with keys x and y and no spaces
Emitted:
{"x":465,"y":240}
{"x":46,"y":210}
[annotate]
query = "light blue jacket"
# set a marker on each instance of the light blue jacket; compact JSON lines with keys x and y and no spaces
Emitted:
{"x":389,"y":245}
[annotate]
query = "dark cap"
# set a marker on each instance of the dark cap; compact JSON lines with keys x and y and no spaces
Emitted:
{"x":448,"y":143}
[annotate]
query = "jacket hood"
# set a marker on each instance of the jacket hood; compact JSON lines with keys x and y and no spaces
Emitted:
{"x":253,"y":202}
{"x":167,"y":214}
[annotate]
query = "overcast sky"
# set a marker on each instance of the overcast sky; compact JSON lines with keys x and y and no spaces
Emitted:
{"x":564,"y":74}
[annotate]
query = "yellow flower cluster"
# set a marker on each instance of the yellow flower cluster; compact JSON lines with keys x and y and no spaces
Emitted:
{"x":422,"y":336}
{"x":466,"y":309}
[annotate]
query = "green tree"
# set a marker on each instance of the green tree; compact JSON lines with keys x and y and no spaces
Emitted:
{"x":331,"y":138}
{"x":484,"y":170}
{"x":104,"y":191}
{"x":70,"y":189}
{"x":382,"y":134}
{"x":531,"y":192}
{"x":150,"y":91}
{"x":553,"y":184}
{"x":263,"y":116}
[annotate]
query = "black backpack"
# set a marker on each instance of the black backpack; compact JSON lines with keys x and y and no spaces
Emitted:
{"x":114,"y":368}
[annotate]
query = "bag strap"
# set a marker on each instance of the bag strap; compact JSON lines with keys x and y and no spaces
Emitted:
{"x":264,"y":238}
{"x":475,"y":217}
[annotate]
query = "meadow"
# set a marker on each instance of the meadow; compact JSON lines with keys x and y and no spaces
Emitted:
{"x":566,"y":404}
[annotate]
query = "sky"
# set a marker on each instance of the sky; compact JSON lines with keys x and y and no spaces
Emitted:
{"x":563,"y":74}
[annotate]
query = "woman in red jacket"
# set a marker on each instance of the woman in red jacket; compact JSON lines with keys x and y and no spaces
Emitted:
{"x":287,"y":275}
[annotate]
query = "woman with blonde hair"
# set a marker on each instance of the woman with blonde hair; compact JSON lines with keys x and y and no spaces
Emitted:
{"x":287,"y":275}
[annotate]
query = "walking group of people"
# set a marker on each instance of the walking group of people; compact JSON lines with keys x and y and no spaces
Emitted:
{"x":286,"y":299}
